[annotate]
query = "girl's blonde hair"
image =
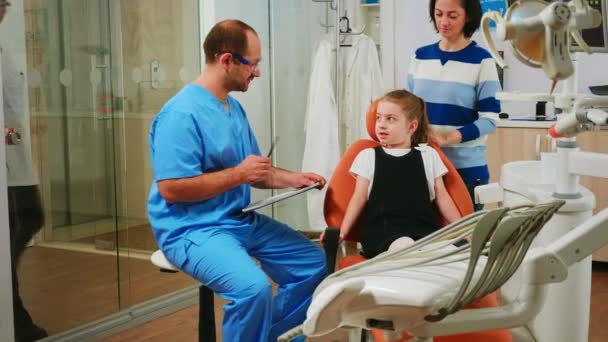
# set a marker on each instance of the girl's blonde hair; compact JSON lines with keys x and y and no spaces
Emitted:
{"x":414,"y":108}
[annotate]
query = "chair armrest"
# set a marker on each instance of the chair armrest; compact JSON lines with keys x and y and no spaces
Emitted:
{"x":489,"y":193}
{"x":330,"y":244}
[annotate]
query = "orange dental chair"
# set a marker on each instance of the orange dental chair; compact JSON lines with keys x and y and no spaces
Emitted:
{"x":339,"y":192}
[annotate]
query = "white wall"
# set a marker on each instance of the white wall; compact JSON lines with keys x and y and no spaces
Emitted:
{"x":412,"y":29}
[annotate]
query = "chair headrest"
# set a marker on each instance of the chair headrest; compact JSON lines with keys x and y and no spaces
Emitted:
{"x":370,"y":119}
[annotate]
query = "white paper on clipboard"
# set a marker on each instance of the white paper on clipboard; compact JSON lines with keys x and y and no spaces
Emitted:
{"x":279,"y":197}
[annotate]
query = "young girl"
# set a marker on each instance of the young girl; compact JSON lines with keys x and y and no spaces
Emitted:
{"x":398,"y":181}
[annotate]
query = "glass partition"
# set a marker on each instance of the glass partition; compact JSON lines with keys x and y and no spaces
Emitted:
{"x":156,"y":51}
{"x":70,"y":276}
{"x":97,"y":72}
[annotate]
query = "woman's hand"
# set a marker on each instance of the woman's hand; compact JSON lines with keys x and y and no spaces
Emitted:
{"x":446,"y":138}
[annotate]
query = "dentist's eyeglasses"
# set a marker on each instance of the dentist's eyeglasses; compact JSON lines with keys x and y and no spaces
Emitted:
{"x":242,"y":60}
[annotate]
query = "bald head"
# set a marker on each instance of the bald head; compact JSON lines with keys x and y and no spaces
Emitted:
{"x":226,"y":36}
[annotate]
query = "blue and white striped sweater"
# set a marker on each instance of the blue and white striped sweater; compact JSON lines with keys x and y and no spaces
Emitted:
{"x":460,"y":91}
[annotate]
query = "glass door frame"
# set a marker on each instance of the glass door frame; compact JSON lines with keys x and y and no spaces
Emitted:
{"x":101,"y":65}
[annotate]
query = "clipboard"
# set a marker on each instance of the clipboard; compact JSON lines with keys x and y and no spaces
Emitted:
{"x":279,"y":197}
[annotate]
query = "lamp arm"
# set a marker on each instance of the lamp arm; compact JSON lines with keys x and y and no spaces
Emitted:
{"x":487,"y":36}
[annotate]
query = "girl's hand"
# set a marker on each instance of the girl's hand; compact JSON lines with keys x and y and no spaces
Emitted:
{"x":322,"y":238}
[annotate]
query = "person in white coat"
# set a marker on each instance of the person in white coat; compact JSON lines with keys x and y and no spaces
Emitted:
{"x":26,"y":215}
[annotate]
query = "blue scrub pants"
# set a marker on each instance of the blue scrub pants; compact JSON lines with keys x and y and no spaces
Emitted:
{"x":222,"y":260}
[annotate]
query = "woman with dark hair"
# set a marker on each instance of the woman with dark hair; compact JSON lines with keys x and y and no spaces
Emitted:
{"x":458,"y":80}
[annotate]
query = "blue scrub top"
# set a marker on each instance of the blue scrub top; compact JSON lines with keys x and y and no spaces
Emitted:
{"x":191,"y":135}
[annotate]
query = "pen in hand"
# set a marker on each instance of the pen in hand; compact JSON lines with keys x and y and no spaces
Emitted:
{"x":272,"y":144}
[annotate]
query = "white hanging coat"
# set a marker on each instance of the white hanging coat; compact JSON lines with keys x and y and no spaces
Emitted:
{"x":322,"y":148}
{"x":362,"y":83}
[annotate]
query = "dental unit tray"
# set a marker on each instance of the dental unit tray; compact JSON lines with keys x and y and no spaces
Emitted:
{"x":279,"y":197}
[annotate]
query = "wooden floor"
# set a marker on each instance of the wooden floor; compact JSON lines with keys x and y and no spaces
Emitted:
{"x":138,"y":237}
{"x":181,"y":325}
{"x":64,"y":289}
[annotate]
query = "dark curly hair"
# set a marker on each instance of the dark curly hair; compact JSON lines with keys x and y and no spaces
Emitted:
{"x":472,"y":8}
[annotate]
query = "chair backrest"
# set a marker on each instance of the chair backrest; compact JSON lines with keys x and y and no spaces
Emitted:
{"x":342,"y":183}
